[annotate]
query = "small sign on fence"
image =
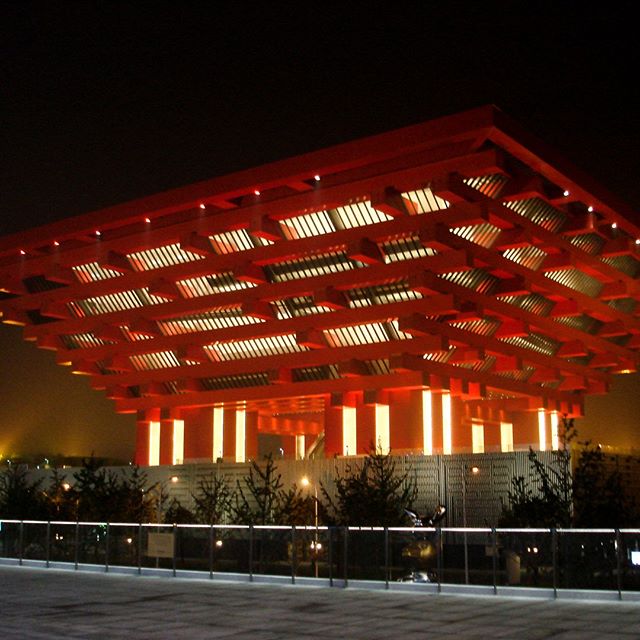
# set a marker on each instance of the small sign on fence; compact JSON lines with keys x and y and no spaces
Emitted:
{"x":160,"y":545}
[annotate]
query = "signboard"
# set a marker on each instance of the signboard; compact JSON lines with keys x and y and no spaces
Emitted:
{"x":160,"y":545}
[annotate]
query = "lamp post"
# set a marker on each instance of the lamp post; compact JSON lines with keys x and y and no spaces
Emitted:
{"x":315,"y":545}
{"x":474,"y":471}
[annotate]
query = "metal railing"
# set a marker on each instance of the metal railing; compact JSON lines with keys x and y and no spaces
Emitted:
{"x":487,"y":560}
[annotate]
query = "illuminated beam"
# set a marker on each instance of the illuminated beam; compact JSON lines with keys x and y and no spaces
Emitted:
{"x":380,"y":232}
{"x":367,"y":179}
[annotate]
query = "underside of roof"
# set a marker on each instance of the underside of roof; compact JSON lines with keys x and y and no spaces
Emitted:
{"x":456,"y":254}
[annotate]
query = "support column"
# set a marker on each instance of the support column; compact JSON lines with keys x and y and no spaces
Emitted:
{"x":405,"y":418}
{"x":198,"y":438}
{"x":251,"y":435}
{"x":462,"y":430}
{"x":142,"y":443}
{"x":332,"y":430}
{"x":229,"y":435}
{"x":365,"y":428}
{"x":166,"y":441}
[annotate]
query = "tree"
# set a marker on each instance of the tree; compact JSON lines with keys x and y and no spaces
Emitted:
{"x":593,"y":495}
{"x":601,"y":498}
{"x":373,"y":494}
{"x":213,"y":500}
{"x":59,"y":500}
{"x":177,"y":514}
{"x":259,"y":501}
{"x":19,"y":498}
{"x":548,"y":500}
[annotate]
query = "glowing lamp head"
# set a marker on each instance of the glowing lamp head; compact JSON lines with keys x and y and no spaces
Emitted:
{"x":174,"y":479}
{"x":305,"y":481}
{"x":566,"y":193}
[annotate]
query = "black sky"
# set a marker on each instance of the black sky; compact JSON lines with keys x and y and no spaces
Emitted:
{"x":103,"y":102}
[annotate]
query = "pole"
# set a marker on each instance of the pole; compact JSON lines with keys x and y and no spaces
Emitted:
{"x":315,"y":518}
{"x":464,"y":524}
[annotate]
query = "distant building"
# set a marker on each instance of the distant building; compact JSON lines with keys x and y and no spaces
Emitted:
{"x":447,"y":287}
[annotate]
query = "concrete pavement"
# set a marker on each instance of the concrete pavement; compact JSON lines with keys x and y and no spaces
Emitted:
{"x":50,"y":603}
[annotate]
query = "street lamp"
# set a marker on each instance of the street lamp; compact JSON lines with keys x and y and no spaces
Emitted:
{"x":315,"y":546}
{"x":474,"y":471}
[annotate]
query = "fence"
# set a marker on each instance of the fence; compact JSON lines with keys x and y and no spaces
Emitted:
{"x":549,"y":562}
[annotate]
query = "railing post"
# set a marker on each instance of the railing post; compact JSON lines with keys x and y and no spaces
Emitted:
{"x":494,"y":557}
{"x":346,"y":556}
{"x":330,"y":555}
{"x":293,"y":554}
{"x":77,"y":549}
{"x":619,"y":562}
{"x":106,"y":550}
{"x":20,"y":542}
{"x":439,"y":557}
{"x":386,"y":557}
{"x":48,"y":543}
{"x":139,"y":548}
{"x":554,"y":560}
{"x":211,"y":552}
{"x":175,"y":541}
{"x":250,"y":553}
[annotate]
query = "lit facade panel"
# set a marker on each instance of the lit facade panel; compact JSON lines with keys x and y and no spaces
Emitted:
{"x":414,"y":290}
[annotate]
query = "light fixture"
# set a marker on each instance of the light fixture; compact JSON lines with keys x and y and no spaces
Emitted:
{"x":98,"y":233}
{"x":147,"y":220}
{"x":316,"y":178}
{"x":174,"y":479}
{"x":565,"y":193}
{"x":590,"y":209}
{"x":203,"y":205}
{"x":23,"y":252}
{"x":56,"y":243}
{"x":614,"y":225}
{"x":637,"y":240}
{"x":257,"y":192}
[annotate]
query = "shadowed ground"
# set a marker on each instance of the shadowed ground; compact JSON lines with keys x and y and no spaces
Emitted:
{"x":37,"y":603}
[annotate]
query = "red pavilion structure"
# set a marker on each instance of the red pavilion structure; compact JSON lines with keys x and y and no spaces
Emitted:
{"x":448,"y":287}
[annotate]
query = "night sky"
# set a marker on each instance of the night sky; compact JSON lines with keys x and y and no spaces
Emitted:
{"x":106,"y":102}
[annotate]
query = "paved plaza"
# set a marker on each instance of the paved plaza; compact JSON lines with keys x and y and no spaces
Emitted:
{"x":49,"y":603}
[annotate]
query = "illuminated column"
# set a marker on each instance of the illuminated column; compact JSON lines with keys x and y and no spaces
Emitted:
{"x":349,"y":433}
{"x":178,"y":442}
{"x":300,"y":447}
{"x":218,"y":433}
{"x":240,"y":435}
{"x":542,"y":430}
{"x":382,"y":428}
{"x":506,"y":437}
{"x":154,"y":444}
{"x":477,"y":437}
{"x":365,"y":427}
{"x":427,"y":423}
{"x":446,"y":423}
{"x":555,"y":436}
